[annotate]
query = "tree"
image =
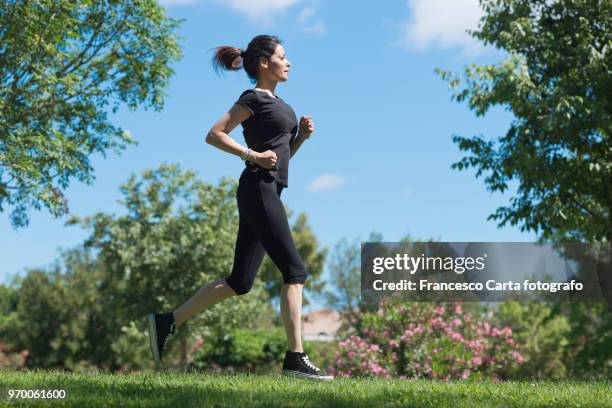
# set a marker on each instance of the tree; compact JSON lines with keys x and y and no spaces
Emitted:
{"x":63,"y":64}
{"x":311,"y":254}
{"x":55,"y":313}
{"x":177,"y":235}
{"x":345,"y":270}
{"x":556,"y":81}
{"x":344,"y":291}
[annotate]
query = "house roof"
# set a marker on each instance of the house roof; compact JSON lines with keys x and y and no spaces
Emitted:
{"x":326,"y":321}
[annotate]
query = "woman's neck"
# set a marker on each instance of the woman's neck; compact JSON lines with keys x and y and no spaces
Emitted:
{"x":269,"y":86}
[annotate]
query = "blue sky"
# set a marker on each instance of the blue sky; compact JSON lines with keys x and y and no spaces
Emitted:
{"x":381,"y":154}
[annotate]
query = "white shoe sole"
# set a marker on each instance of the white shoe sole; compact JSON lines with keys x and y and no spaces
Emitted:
{"x":298,"y":374}
{"x":153,"y":338}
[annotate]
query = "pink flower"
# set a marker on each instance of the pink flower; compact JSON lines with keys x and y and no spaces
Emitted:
{"x":457,"y":310}
{"x":465,"y":374}
{"x":439,"y":310}
{"x":517,"y":357}
{"x":393,"y":344}
{"x":376,"y":369}
{"x":407,"y":335}
{"x":456,"y":322}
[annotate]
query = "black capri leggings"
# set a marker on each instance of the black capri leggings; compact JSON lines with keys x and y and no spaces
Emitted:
{"x":263,"y":227}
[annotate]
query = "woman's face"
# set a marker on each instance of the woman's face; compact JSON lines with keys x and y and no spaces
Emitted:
{"x":276,"y":68}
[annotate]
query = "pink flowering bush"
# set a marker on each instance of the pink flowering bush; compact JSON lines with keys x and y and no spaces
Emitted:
{"x":363,"y":358}
{"x":426,"y":340}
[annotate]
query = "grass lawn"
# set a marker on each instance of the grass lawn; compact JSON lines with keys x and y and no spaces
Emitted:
{"x":172,"y":389}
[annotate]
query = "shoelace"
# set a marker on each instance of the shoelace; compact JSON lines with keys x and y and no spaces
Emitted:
{"x":308,"y":363}
{"x":170,"y":333}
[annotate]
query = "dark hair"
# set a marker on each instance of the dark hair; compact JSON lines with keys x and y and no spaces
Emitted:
{"x":262,"y":46}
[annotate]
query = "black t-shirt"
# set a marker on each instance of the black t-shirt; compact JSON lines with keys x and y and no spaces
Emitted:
{"x":272,"y":126}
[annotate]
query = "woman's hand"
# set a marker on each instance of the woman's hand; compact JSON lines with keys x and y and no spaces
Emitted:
{"x":306,"y":126}
{"x":266,"y":159}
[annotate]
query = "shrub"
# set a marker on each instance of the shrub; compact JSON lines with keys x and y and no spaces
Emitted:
{"x":542,"y":335}
{"x":426,"y":340}
{"x":242,"y":349}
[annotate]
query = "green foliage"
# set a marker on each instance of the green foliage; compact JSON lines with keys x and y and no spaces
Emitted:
{"x":55,"y":313}
{"x":130,"y":348}
{"x":63,"y":65}
{"x":556,"y":81}
{"x":9,"y":298}
{"x":311,"y":254}
{"x":244,"y":349}
{"x":10,"y":356}
{"x":588,"y":353}
{"x":178,"y":234}
{"x":343,"y":291}
{"x":542,"y":336}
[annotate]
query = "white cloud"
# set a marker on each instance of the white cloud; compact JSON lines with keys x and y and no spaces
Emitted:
{"x":305,"y":14}
{"x":316,"y":28}
{"x":177,"y":2}
{"x":441,"y":24}
{"x":326,"y":182}
{"x":262,"y":11}
{"x":259,"y":10}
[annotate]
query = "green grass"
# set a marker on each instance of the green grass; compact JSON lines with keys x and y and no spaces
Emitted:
{"x":246,"y":390}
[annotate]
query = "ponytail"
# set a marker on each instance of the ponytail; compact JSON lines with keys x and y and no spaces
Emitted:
{"x":227,"y":58}
{"x":230,"y":58}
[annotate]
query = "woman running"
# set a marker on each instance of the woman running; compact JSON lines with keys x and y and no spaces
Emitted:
{"x":272,"y":136}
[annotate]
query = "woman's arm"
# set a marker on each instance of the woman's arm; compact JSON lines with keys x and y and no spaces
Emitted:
{"x":296,"y":143}
{"x":218,"y":136}
{"x":304,"y":131}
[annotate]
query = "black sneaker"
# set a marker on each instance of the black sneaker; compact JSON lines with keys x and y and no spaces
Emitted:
{"x":298,"y":365}
{"x":161,"y":327}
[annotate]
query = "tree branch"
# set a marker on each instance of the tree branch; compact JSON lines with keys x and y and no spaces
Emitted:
{"x":95,"y":34}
